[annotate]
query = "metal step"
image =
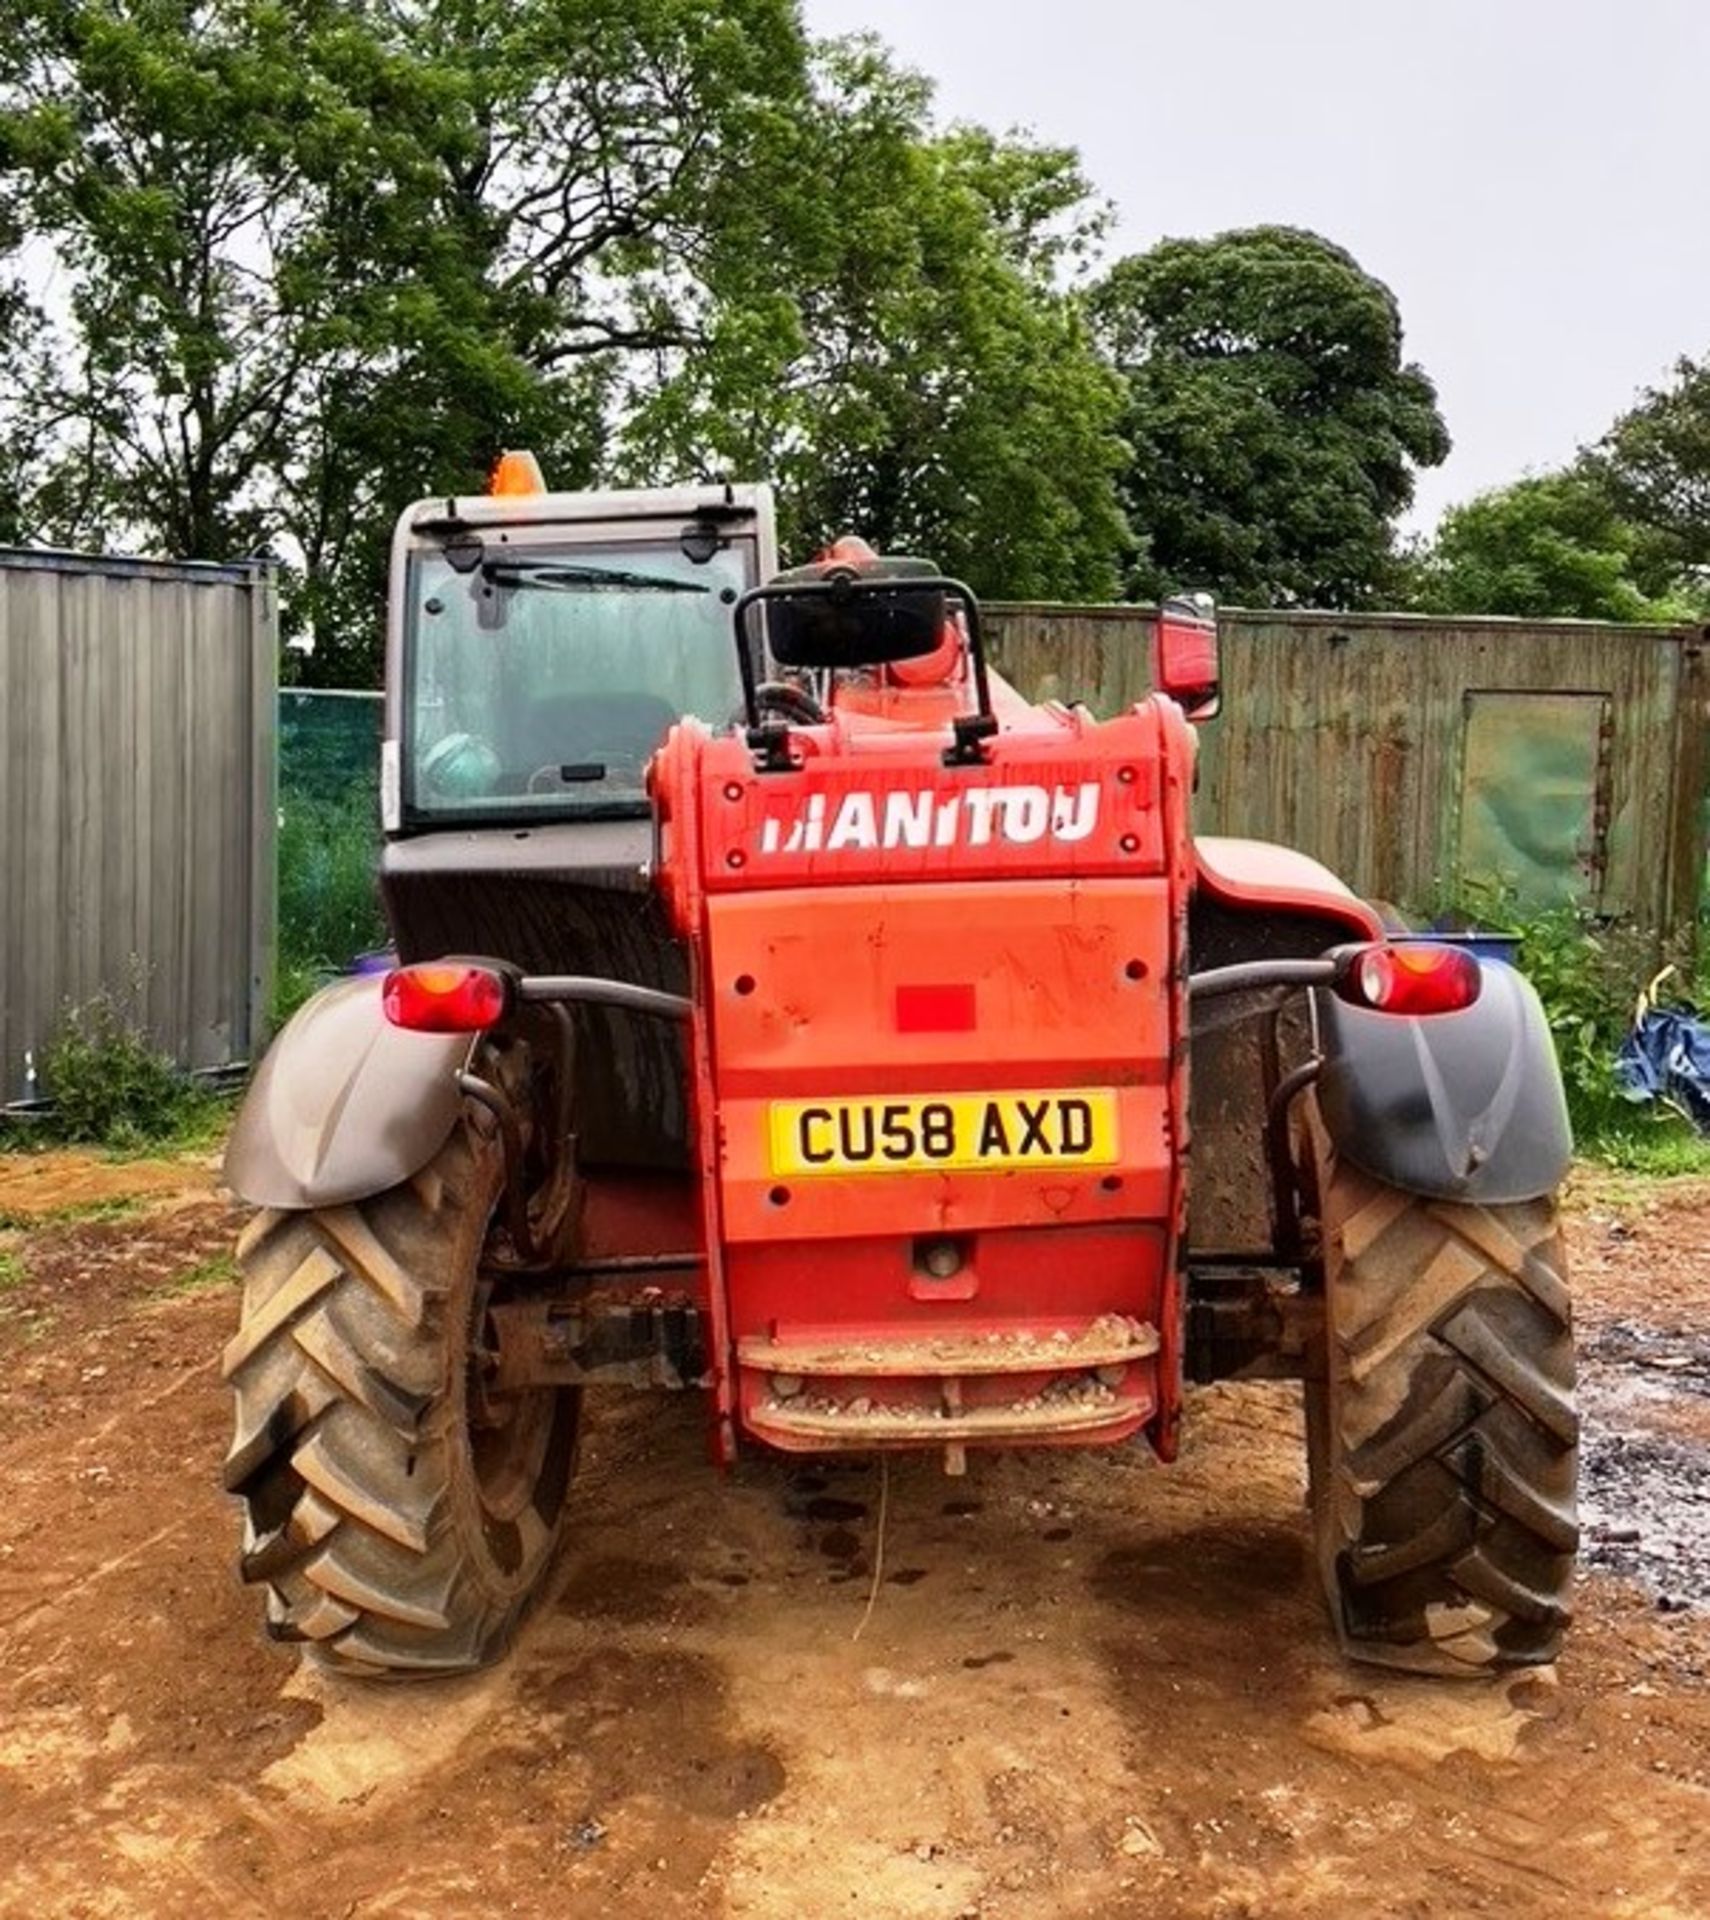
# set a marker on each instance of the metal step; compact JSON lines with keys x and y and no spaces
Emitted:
{"x":877,"y":1426}
{"x":1111,"y":1340}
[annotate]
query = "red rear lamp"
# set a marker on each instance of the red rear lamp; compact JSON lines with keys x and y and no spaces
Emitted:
{"x":1420,"y":978}
{"x":445,"y":996}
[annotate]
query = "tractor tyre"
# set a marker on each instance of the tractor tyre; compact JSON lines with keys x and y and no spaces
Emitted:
{"x":1442,"y":1435}
{"x":398,"y":1519}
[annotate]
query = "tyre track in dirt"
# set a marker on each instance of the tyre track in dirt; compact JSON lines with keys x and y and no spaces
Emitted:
{"x":1089,"y":1686}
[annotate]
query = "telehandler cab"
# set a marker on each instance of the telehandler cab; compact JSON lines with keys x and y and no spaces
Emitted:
{"x":789,"y":1011}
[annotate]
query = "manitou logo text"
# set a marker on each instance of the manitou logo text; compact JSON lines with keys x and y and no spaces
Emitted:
{"x":978,"y":817}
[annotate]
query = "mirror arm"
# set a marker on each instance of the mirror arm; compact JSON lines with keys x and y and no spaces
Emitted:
{"x":769,"y":739}
{"x":973,"y":730}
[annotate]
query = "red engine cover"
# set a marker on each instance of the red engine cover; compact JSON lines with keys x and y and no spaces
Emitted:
{"x":938,"y":1085}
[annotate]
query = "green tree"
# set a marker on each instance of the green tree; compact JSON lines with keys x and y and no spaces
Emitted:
{"x":908,"y":366}
{"x":530,"y":206}
{"x":1655,"y":463}
{"x":20,"y":324}
{"x":1274,"y":430}
{"x":124,"y":142}
{"x":321,"y":259}
{"x":1553,"y":546}
{"x":745,"y":256}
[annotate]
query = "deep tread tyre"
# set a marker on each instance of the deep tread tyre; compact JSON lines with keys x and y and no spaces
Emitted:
{"x":393,"y":1532}
{"x":1443,"y":1437}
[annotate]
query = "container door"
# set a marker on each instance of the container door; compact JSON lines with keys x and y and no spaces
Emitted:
{"x":1535,"y":795}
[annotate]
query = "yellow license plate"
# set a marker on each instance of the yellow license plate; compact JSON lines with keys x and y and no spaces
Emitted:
{"x":945,"y":1132}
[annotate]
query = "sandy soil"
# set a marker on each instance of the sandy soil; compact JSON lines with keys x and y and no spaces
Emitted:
{"x":1088,"y":1686}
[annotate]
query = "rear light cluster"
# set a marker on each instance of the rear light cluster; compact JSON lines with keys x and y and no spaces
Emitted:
{"x":1184,"y":654}
{"x":459,"y":996}
{"x":446,"y":996}
{"x":1415,"y":978}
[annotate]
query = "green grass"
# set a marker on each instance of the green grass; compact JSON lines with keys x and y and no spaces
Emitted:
{"x":1661,"y":1152}
{"x":294,"y":981}
{"x":12,"y":1272}
{"x":218,"y":1270}
{"x":111,"y":1086}
{"x":120,"y":1207}
{"x":329,"y":902}
{"x":201,"y":1121}
{"x":18,"y":1135}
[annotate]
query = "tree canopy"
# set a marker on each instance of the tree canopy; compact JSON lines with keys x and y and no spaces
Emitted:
{"x":1621,"y":534}
{"x":298,"y":264}
{"x":1655,"y":463}
{"x":1552,"y":546}
{"x":271,"y":269}
{"x":309,"y":262}
{"x":923,"y":380}
{"x":1273,"y":427}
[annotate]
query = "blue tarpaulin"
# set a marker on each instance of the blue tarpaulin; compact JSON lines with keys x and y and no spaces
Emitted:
{"x":1667,"y":1057}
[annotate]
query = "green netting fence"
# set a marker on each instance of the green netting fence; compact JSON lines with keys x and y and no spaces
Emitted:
{"x":329,"y":834}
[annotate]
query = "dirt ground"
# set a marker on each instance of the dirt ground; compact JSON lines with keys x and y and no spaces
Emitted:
{"x":1088,"y":1686}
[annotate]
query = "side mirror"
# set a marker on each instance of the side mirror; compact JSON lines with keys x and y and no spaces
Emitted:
{"x":1184,"y":654}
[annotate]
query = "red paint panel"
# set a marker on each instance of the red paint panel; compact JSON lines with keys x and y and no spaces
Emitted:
{"x":862,"y":1288}
{"x":1065,"y":797}
{"x":947,"y":1009}
{"x":1058,"y":1007}
{"x":1184,"y":658}
{"x":1253,"y":873}
{"x":831,"y":910}
{"x":1060,"y":1001}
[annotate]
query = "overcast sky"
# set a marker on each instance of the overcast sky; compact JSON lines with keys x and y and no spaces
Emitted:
{"x":1529,"y":176}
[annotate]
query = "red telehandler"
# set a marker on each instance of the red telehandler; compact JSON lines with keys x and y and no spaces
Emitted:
{"x":789,"y":1011}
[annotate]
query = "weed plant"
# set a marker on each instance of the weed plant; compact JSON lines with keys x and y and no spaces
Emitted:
{"x":1589,"y":973}
{"x":111,"y":1087}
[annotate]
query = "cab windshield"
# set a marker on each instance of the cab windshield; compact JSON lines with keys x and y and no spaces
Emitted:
{"x":541,"y":679}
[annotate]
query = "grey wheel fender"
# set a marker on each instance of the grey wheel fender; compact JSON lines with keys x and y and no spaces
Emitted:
{"x":345,"y":1104}
{"x":1455,"y":1106}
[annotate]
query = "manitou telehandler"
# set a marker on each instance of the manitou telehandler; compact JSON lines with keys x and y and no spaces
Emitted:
{"x":787,"y":1010}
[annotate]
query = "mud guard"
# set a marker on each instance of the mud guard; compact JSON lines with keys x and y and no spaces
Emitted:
{"x":345,"y":1104}
{"x":1455,"y":1106}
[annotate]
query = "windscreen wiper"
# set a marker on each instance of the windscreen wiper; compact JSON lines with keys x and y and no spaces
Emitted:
{"x":567,"y":577}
